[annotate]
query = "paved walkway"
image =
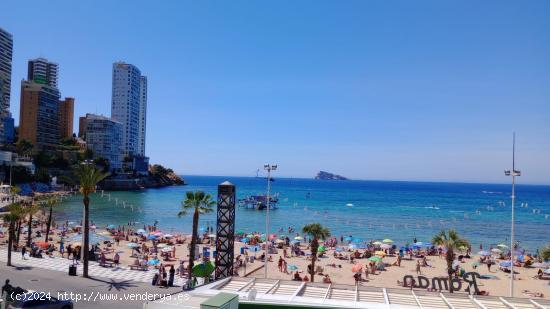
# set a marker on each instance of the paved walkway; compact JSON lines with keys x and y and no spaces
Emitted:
{"x":62,"y":265}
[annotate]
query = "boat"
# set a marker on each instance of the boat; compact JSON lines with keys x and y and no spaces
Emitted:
{"x":259,"y":202}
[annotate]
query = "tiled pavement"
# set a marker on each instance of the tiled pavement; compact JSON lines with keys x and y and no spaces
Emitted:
{"x":61,"y":264}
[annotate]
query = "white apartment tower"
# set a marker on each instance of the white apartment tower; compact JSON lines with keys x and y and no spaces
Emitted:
{"x":142,"y":114}
{"x":126,"y":106}
{"x":42,"y":71}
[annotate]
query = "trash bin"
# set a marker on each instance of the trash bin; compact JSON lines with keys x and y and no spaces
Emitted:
{"x":72,"y":270}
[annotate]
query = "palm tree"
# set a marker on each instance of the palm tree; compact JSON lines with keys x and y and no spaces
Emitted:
{"x":15,"y":212}
{"x":545,"y":253}
{"x":316,"y":231}
{"x":451,"y":241}
{"x":50,"y":203}
{"x":30,"y":211}
{"x":89,"y":176}
{"x":200,"y":203}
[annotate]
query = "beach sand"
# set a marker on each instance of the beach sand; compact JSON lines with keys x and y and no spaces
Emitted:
{"x":499,"y":286}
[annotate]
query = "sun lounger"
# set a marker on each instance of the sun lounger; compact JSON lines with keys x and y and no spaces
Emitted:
{"x":107,"y":264}
{"x":139,"y":267}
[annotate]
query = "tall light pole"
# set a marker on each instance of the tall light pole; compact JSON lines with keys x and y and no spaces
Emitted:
{"x":512,"y":173}
{"x":268,"y":168}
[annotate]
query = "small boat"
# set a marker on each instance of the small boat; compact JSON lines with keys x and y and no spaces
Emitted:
{"x":349,"y":204}
{"x":259,"y":202}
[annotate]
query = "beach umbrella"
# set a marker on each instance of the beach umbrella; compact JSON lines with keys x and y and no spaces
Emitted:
{"x":427,"y":244}
{"x":502,"y":246}
{"x":110,"y":226}
{"x":151,"y":237}
{"x":321,"y":249}
{"x":239,"y":233}
{"x":387,"y":241}
{"x":385,"y":246}
{"x":380,"y":253}
{"x":292,"y":267}
{"x":272,"y":236}
{"x":132,"y":245}
{"x":348,"y":238}
{"x":496,"y":251}
{"x":153,"y":262}
{"x":141,"y":231}
{"x":298,"y":238}
{"x":42,"y":244}
{"x":357,"y":267}
{"x":375,"y":259}
{"x":245,"y":239}
{"x":505,"y":264}
{"x":377,"y":243}
{"x":483,"y":253}
{"x":204,"y":269}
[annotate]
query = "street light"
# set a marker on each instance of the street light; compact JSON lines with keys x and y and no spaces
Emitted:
{"x":514,"y":173}
{"x":268,"y":168}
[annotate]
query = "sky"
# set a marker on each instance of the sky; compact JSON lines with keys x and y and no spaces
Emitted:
{"x":388,"y":90}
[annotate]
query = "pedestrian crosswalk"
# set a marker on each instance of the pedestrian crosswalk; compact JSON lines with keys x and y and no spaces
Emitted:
{"x":62,"y":265}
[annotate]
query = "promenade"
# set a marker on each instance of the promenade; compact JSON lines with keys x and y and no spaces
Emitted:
{"x":62,"y":265}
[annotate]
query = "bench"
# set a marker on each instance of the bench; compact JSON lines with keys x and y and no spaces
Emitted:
{"x":139,"y":267}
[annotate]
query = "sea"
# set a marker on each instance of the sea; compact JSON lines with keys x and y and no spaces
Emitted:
{"x":369,"y":210}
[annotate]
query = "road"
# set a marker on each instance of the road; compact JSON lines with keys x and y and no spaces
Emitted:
{"x":97,"y":292}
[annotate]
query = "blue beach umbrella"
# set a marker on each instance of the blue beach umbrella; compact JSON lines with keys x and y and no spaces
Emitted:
{"x":151,"y":237}
{"x":292,"y":267}
{"x":111,"y":226}
{"x":505,"y":264}
{"x":348,"y":238}
{"x":428,"y":244}
{"x":153,"y":262}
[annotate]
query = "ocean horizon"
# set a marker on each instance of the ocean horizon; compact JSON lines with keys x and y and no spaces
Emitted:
{"x":368,"y":209}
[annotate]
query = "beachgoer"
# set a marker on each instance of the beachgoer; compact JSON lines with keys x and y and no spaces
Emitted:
{"x":7,"y":287}
{"x":116,"y":259}
{"x":418,"y":271}
{"x":171,"y":277}
{"x":23,"y":251}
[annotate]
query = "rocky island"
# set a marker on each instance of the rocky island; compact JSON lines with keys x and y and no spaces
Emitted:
{"x":322,"y":175}
{"x":157,"y":177}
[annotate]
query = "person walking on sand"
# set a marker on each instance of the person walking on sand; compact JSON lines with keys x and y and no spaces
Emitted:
{"x":418,"y":271}
{"x":23,"y":251}
{"x":172,"y":273}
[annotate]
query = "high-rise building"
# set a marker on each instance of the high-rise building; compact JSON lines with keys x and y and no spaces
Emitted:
{"x":39,"y":114}
{"x":142,"y":115}
{"x":42,"y":71}
{"x":126,"y":105}
{"x":66,"y":115}
{"x":82,"y":127}
{"x":6,"y":50}
{"x":104,"y":138}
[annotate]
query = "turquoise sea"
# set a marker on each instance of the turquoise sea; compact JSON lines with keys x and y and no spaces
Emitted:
{"x":381,"y":209}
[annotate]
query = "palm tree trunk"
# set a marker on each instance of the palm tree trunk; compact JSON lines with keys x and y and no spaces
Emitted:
{"x":11,"y":236}
{"x":86,"y":238}
{"x":193,"y":242}
{"x":450,"y":258}
{"x":49,"y":224}
{"x":29,"y":231}
{"x":314,"y":248}
{"x":18,"y":232}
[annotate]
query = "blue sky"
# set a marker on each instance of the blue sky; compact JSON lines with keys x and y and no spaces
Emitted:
{"x":404,"y":90}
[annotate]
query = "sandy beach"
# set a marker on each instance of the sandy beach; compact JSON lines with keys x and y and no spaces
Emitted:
{"x":338,"y":270}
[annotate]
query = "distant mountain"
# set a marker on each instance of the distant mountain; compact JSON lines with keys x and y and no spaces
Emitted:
{"x":329,"y":176}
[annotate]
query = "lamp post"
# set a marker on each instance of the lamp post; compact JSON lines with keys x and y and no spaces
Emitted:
{"x":512,"y":173}
{"x":268,"y":168}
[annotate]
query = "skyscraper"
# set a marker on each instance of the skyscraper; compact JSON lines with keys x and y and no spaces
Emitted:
{"x":66,"y":116}
{"x":42,"y":71}
{"x":39,"y":114}
{"x":104,"y":138}
{"x":126,"y":106}
{"x":142,"y":114}
{"x":6,"y":50}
